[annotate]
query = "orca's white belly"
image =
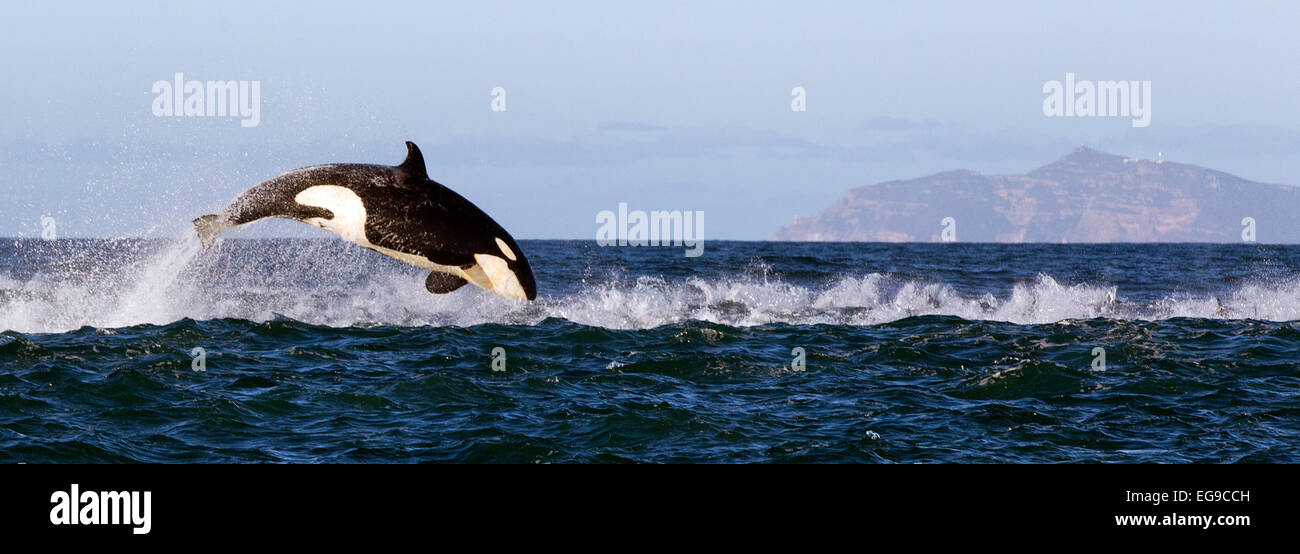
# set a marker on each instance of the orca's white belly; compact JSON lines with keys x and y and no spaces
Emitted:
{"x":491,"y":272}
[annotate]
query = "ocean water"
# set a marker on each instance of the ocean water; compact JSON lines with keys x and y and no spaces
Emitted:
{"x":317,"y":351}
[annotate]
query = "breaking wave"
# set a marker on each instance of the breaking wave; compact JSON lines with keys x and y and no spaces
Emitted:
{"x":125,"y":283}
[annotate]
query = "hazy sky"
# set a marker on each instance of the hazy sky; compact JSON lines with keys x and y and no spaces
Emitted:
{"x":661,"y":105}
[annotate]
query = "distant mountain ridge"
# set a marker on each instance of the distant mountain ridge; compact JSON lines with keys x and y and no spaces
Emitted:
{"x":1085,"y":196}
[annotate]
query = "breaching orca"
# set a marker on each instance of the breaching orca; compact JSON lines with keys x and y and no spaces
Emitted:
{"x":396,"y":211}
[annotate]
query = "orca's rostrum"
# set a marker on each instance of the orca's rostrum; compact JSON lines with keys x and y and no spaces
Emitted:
{"x":397,"y":211}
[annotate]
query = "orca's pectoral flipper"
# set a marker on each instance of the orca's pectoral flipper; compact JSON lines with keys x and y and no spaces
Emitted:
{"x":209,"y":228}
{"x":443,"y":283}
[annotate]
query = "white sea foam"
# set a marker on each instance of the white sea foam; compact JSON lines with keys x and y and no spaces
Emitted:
{"x":171,"y":284}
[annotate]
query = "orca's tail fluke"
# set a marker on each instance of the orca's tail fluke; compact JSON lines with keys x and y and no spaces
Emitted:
{"x":209,"y":228}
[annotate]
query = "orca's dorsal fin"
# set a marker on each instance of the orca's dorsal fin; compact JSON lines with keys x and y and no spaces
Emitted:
{"x":413,"y":165}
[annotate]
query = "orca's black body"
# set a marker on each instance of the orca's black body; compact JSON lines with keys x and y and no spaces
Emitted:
{"x":398,"y":211}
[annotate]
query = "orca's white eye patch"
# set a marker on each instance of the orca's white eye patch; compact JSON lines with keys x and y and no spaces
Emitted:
{"x":505,"y":249}
{"x":349,"y":212}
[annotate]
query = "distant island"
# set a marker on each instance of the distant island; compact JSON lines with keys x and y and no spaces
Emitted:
{"x":1085,"y":196}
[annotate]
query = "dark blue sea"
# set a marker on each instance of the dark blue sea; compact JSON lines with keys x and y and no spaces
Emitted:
{"x":311,"y":350}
